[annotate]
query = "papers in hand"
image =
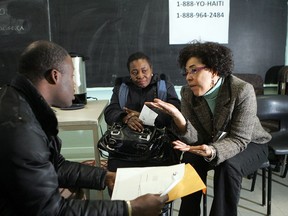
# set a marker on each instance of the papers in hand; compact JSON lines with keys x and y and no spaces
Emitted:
{"x":176,"y":181}
{"x":133,"y":182}
{"x":148,"y":116}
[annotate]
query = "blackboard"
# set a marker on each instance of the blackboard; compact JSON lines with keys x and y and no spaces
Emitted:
{"x":107,"y":32}
{"x":21,"y":22}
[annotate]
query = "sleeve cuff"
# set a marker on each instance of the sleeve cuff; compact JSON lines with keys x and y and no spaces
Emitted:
{"x":129,"y":208}
{"x":213,"y":155}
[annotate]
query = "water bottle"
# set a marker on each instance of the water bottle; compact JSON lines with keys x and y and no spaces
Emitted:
{"x":79,"y":78}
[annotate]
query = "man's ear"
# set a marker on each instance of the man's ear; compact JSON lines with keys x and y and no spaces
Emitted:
{"x":52,"y":76}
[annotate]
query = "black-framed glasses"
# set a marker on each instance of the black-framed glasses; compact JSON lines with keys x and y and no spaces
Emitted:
{"x":193,"y":70}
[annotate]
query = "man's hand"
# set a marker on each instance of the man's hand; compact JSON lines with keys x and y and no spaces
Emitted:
{"x":110,"y":180}
{"x":148,"y":204}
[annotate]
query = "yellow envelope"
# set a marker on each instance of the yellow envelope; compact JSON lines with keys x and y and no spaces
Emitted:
{"x":190,"y":183}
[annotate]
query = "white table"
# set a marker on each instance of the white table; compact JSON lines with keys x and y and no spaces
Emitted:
{"x":88,"y":118}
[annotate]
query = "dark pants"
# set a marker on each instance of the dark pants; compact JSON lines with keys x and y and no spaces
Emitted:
{"x":227,"y":180}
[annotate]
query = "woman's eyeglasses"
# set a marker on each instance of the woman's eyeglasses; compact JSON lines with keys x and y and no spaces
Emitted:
{"x":193,"y":70}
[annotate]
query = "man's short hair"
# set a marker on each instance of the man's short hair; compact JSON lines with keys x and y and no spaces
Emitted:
{"x":39,"y":58}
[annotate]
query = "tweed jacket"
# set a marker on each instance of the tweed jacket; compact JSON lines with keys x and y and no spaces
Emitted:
{"x":235,"y":114}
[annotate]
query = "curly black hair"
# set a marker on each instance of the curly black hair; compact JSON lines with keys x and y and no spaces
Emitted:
{"x":215,"y":56}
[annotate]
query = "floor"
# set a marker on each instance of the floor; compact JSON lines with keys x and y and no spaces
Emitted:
{"x":250,"y":202}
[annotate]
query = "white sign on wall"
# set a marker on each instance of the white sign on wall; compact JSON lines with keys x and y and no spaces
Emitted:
{"x":198,"y":20}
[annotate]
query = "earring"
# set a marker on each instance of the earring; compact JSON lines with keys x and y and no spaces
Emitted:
{"x":212,"y":82}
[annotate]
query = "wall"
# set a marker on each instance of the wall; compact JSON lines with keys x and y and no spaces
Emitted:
{"x":108,"y":31}
{"x":286,"y":50}
{"x":21,"y":22}
{"x":105,"y":93}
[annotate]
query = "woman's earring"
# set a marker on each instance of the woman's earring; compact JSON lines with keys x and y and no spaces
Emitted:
{"x":212,"y":82}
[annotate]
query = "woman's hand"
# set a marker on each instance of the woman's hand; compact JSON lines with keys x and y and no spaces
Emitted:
{"x":135,"y":123}
{"x":202,"y":150}
{"x":171,"y":110}
{"x":165,"y":107}
{"x":131,"y":112}
{"x":181,"y":146}
{"x":132,"y":120}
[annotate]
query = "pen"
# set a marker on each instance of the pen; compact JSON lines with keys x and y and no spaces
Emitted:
{"x":175,"y":181}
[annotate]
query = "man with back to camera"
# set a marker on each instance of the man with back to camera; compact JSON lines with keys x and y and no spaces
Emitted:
{"x":30,"y":148}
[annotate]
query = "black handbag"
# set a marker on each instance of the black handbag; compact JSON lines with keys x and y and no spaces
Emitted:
{"x":153,"y":144}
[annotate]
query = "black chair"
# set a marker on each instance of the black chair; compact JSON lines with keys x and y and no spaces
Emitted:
{"x":264,"y":167}
{"x":254,"y":79}
{"x":273,"y":109}
{"x":282,"y":80}
{"x":272,"y":74}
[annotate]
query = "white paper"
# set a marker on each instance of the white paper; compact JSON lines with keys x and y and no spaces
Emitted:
{"x":133,"y":182}
{"x":198,"y":20}
{"x":148,"y":116}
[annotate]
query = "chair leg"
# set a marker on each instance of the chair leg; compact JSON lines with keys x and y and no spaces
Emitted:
{"x":286,"y":167}
{"x":269,"y":193}
{"x":285,"y":171}
{"x":170,"y":211}
{"x":167,"y":210}
{"x":205,"y":204}
{"x":253,"y":181}
{"x":263,"y":186}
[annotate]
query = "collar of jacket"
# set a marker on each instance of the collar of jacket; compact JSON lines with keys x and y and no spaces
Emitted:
{"x":222,"y":109}
{"x":43,"y":112}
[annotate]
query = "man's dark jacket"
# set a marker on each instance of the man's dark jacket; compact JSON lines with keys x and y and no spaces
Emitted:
{"x":31,"y":164}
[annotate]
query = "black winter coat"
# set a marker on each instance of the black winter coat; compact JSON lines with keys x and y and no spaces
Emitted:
{"x":136,"y":98}
{"x":31,"y":164}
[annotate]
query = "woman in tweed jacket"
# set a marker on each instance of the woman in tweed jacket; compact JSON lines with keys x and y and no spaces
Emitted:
{"x":218,"y":126}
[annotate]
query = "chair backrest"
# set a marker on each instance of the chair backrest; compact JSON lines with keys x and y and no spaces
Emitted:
{"x":272,"y":74}
{"x":254,"y":79}
{"x":273,"y":107}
